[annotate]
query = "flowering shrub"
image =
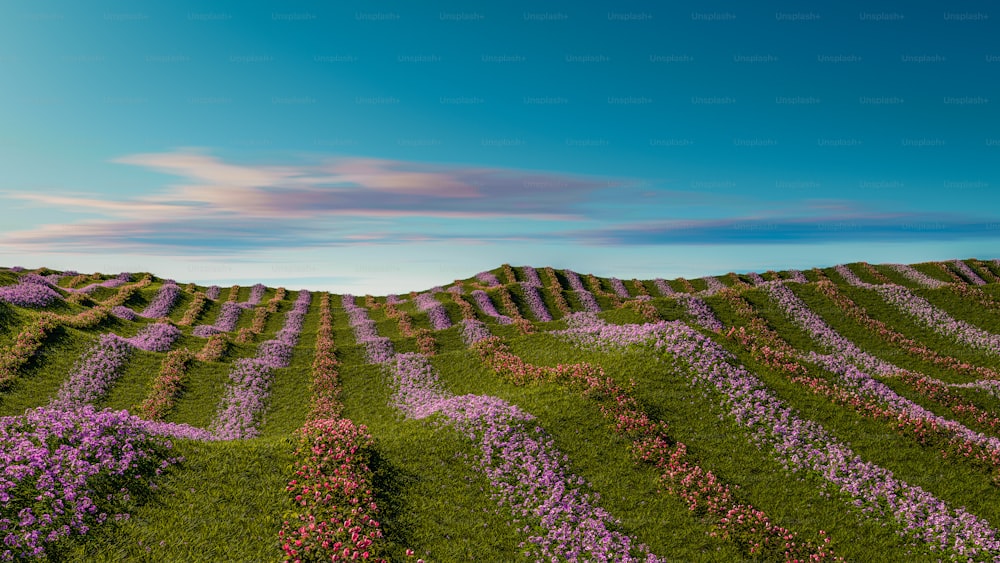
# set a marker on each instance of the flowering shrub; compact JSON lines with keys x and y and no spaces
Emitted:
{"x":157,"y":337}
{"x":195,"y":309}
{"x":488,"y":278}
{"x":214,"y":348}
{"x":93,"y":375}
{"x":797,"y":276}
{"x":67,"y":471}
{"x":29,"y":294}
{"x":167,"y":386}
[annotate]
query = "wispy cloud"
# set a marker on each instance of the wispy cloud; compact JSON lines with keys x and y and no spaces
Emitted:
{"x":223,"y":206}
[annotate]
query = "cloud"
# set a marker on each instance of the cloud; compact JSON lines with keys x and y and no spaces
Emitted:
{"x":217,"y":206}
{"x":833,"y":228}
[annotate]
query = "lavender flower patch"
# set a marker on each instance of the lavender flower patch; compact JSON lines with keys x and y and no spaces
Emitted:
{"x":378,"y":349}
{"x":213,"y":292}
{"x":120,"y":280}
{"x":619,"y":287}
{"x":850,"y":277}
{"x":393,"y":299}
{"x":797,"y":276}
{"x":123,"y":312}
{"x":487,"y":306}
{"x":225,"y":322}
{"x":163,"y":302}
{"x":435,"y":310}
{"x":28,"y":294}
{"x":755,"y":278}
{"x":801,"y":445}
{"x":474,"y":330}
{"x":575,"y":283}
{"x":917,"y":276}
{"x":968,"y":273}
{"x":256,"y":294}
{"x":488,"y":278}
{"x":663,"y":287}
{"x":532,"y":276}
{"x":534,"y":299}
{"x":68,"y":461}
{"x":157,"y":337}
{"x":714,"y":285}
{"x":700,"y":311}
{"x":91,"y":378}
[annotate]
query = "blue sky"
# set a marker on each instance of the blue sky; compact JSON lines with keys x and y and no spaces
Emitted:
{"x":379,"y":147}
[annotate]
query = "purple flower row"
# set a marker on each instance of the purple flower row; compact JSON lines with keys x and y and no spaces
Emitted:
{"x":714,"y":285}
{"x":523,"y":466}
{"x":938,"y":320}
{"x":619,"y":287}
{"x":57,"y":457}
{"x":531,"y":276}
{"x":393,"y":299}
{"x":229,"y":315}
{"x":850,"y":277}
{"x":797,"y":276}
{"x":435,"y":310}
{"x":123,"y":312}
{"x":256,"y":294}
{"x":535,"y":302}
{"x":244,"y":400}
{"x":121,"y":279}
{"x":488,"y":278}
{"x":968,"y":273}
{"x":455,"y":289}
{"x":755,"y":278}
{"x":917,"y":276}
{"x":575,"y":283}
{"x":474,"y":330}
{"x":800,"y":444}
{"x":161,"y":304}
{"x":378,"y":349}
{"x":700,"y":312}
{"x":213,"y":292}
{"x":663,"y":287}
{"x":28,"y":293}
{"x":483,"y":300}
{"x":94,"y":374}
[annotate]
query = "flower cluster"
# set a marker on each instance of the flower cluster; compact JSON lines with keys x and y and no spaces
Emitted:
{"x":260,"y":314}
{"x":700,"y":312}
{"x":800,"y":444}
{"x":213,"y":292}
{"x":468,"y":311}
{"x":714,"y":285}
{"x":508,"y":273}
{"x":619,"y":288}
{"x":225,"y":322}
{"x":234,"y":294}
{"x":67,"y":471}
{"x":379,"y":349}
{"x":157,"y":337}
{"x":473,"y":331}
{"x":640,"y":288}
{"x":531,"y":276}
{"x":755,"y":278}
{"x":596,"y":289}
{"x":93,"y":375}
{"x":214,"y":348}
{"x":966,"y":271}
{"x":555,"y":290}
{"x":28,"y":293}
{"x":486,"y":306}
{"x":163,"y":302}
{"x":535,"y":302}
{"x":123,"y":312}
{"x":435,"y":310}
{"x":488,"y":278}
{"x":167,"y":386}
{"x":195,"y":309}
{"x":688,"y":288}
{"x":663,"y":287}
{"x":882,"y":278}
{"x":797,"y":276}
{"x":32,"y":336}
{"x":917,"y":276}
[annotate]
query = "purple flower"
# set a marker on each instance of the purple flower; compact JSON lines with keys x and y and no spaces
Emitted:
{"x":700,"y":311}
{"x":28,"y":293}
{"x":968,"y":273}
{"x":94,"y":373}
{"x":488,"y":278}
{"x":619,"y":288}
{"x":163,"y":302}
{"x":483,"y":300}
{"x":755,"y":278}
{"x":919,"y":277}
{"x":435,"y":310}
{"x":534,"y":299}
{"x":663,"y":287}
{"x":157,"y":337}
{"x":714,"y":285}
{"x":474,"y":330}
{"x":531,"y":276}
{"x":213,"y":292}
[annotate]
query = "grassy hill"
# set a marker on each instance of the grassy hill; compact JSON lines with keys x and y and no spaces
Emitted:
{"x":520,"y":414}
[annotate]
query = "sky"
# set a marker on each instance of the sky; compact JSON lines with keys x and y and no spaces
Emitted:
{"x":377,"y":147}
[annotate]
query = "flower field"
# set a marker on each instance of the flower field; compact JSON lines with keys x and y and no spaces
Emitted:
{"x":849,"y":413}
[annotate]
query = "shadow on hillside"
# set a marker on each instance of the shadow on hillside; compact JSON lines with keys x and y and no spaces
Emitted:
{"x":388,"y":482}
